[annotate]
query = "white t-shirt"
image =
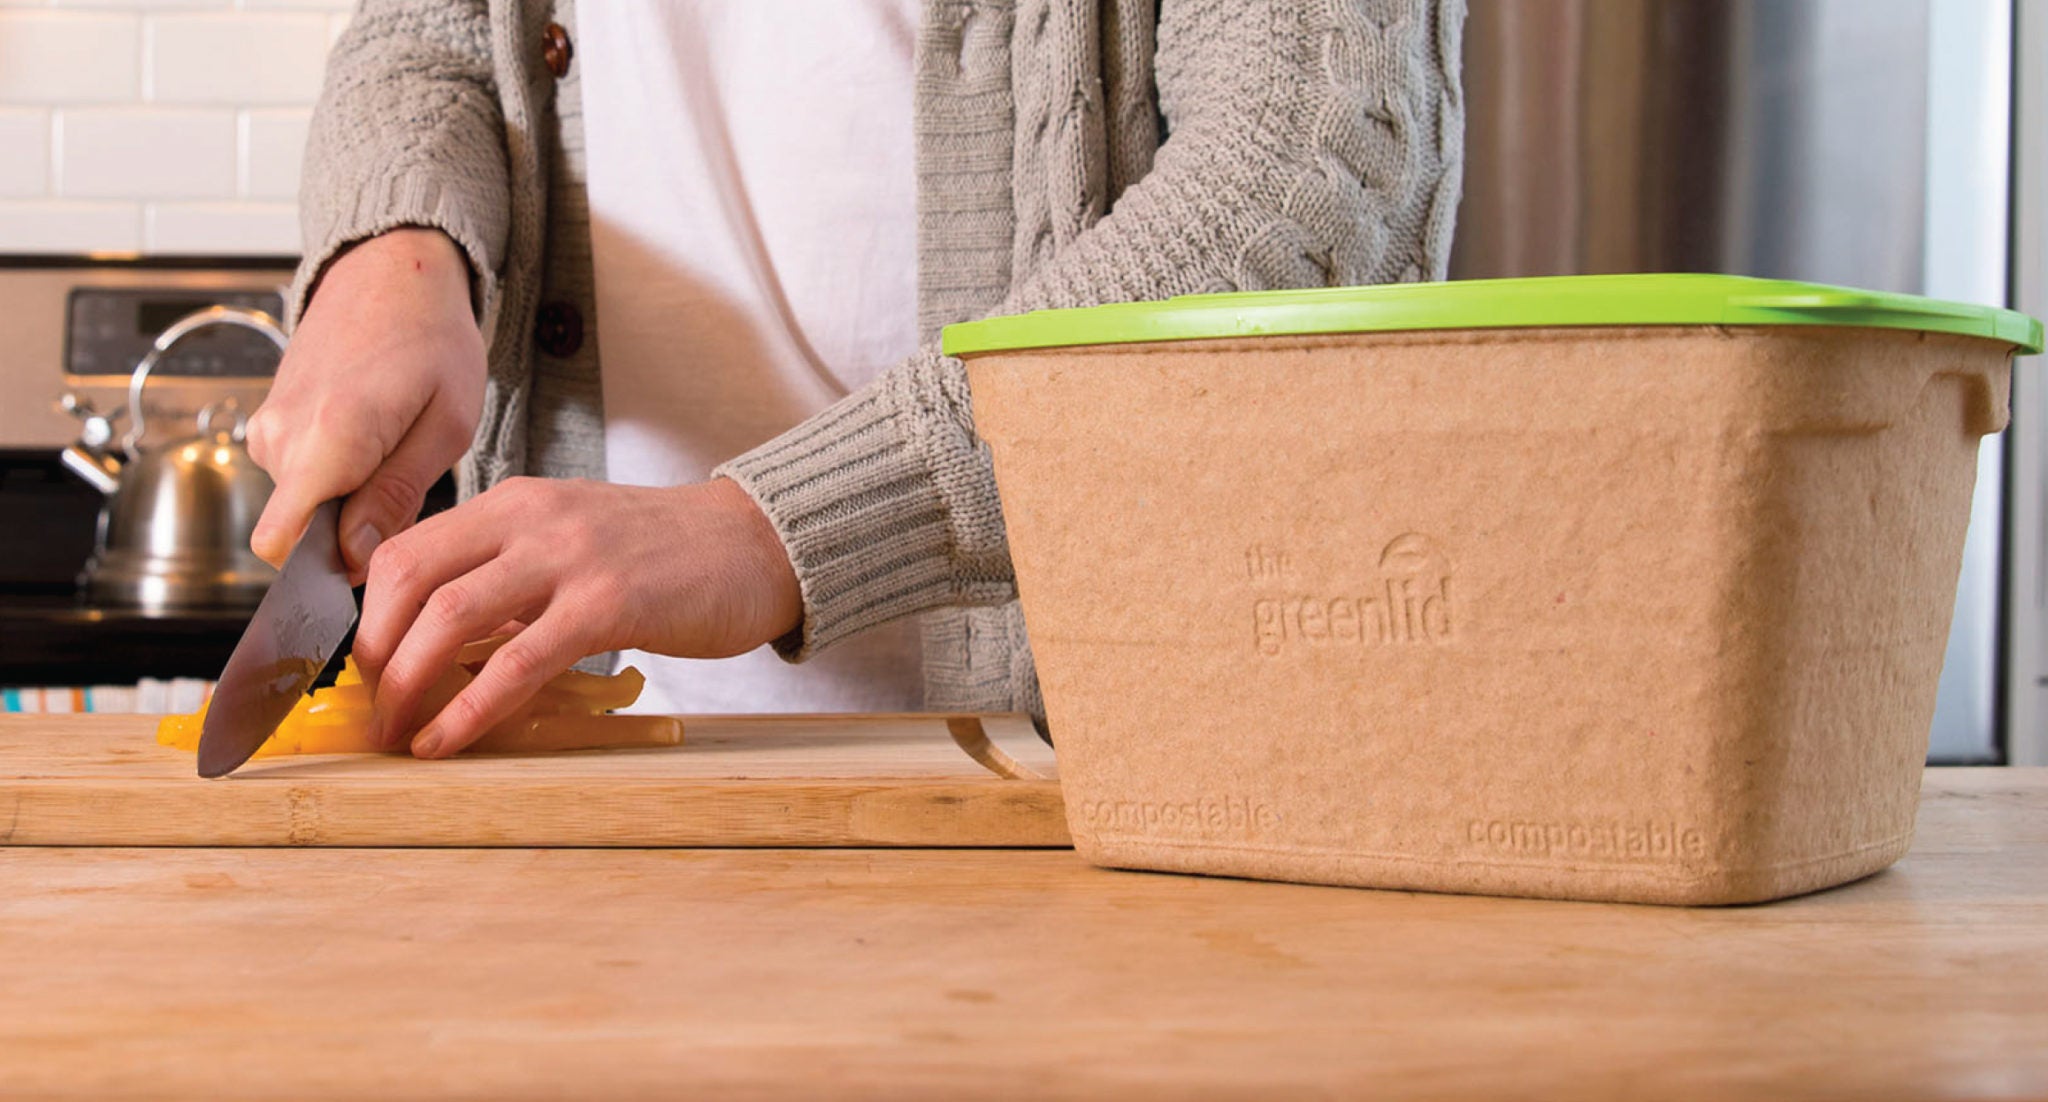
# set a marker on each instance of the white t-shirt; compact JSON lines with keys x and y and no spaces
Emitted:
{"x":753,"y":225}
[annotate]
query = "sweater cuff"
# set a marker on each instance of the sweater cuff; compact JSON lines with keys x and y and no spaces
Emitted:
{"x":400,"y":199}
{"x":862,"y":513}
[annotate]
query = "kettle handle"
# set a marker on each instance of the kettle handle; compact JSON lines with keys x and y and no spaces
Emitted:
{"x":207,"y":318}
{"x":233,"y":409}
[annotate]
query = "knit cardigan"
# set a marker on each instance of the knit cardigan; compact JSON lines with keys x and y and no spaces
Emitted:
{"x":1069,"y":153}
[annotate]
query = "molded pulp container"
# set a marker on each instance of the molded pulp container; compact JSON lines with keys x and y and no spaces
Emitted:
{"x":1614,"y":588}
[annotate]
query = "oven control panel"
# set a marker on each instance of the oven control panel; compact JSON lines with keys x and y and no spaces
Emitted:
{"x":79,"y":325}
{"x":108,"y":330}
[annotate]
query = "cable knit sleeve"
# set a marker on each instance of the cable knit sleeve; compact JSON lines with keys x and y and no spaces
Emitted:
{"x":407,"y":131}
{"x":1308,"y":143}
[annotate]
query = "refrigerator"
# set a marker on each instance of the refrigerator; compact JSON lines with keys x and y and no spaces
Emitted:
{"x":1871,"y":143}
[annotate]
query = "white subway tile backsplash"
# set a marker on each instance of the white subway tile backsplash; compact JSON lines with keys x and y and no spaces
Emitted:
{"x":173,"y":126}
{"x":25,"y":136}
{"x":144,"y":5}
{"x":246,"y":58}
{"x":223,"y":229}
{"x":61,"y":226}
{"x":273,"y":142}
{"x":146,"y":153}
{"x":68,"y":57}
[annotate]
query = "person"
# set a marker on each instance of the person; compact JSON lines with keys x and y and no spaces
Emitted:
{"x":705,"y":249}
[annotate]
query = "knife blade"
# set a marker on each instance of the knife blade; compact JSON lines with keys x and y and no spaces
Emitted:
{"x":302,"y":618}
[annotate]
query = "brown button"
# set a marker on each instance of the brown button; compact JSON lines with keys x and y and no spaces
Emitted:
{"x":558,"y":329}
{"x":556,"y":50}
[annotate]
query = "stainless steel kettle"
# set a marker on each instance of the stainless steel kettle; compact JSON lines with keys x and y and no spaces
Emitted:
{"x":174,"y":530}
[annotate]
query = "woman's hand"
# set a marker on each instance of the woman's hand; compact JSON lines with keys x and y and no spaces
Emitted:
{"x":378,"y":394}
{"x":692,"y":571}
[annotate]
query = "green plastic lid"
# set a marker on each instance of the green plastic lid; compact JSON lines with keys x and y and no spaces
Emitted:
{"x":1665,"y":299}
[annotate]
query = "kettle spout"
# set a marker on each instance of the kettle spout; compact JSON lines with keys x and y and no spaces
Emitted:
{"x":102,"y":471}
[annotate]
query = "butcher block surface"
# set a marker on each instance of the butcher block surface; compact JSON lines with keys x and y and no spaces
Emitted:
{"x":1008,"y":974}
{"x":883,"y":780}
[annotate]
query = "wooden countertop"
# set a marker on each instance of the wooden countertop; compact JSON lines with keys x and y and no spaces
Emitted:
{"x":340,"y":973}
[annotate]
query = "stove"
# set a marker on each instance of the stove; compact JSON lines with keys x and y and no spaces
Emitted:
{"x":78,"y":325}
{"x":48,"y":635}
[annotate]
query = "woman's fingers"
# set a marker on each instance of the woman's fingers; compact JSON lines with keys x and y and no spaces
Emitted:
{"x":692,"y":570}
{"x":511,"y":677}
{"x":409,"y":567}
{"x":307,"y":472}
{"x":467,"y":608}
{"x":386,"y":503}
{"x":283,"y":520}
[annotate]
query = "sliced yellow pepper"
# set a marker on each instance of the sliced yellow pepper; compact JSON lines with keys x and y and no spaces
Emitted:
{"x":568,"y":713}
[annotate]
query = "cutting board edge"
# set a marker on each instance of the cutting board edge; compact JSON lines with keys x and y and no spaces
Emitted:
{"x":638,"y":813}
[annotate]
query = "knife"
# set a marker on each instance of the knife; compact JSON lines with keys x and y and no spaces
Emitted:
{"x":303,"y":617}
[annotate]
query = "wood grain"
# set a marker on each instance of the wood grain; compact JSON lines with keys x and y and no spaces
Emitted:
{"x":902,"y":780}
{"x":521,"y":974}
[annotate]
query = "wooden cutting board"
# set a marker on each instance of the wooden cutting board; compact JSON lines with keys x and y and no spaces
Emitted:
{"x":870,"y":780}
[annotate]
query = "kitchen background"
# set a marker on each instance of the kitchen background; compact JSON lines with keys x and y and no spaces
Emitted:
{"x":149,"y":165}
{"x":157,"y":126}
{"x":151,"y":155}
